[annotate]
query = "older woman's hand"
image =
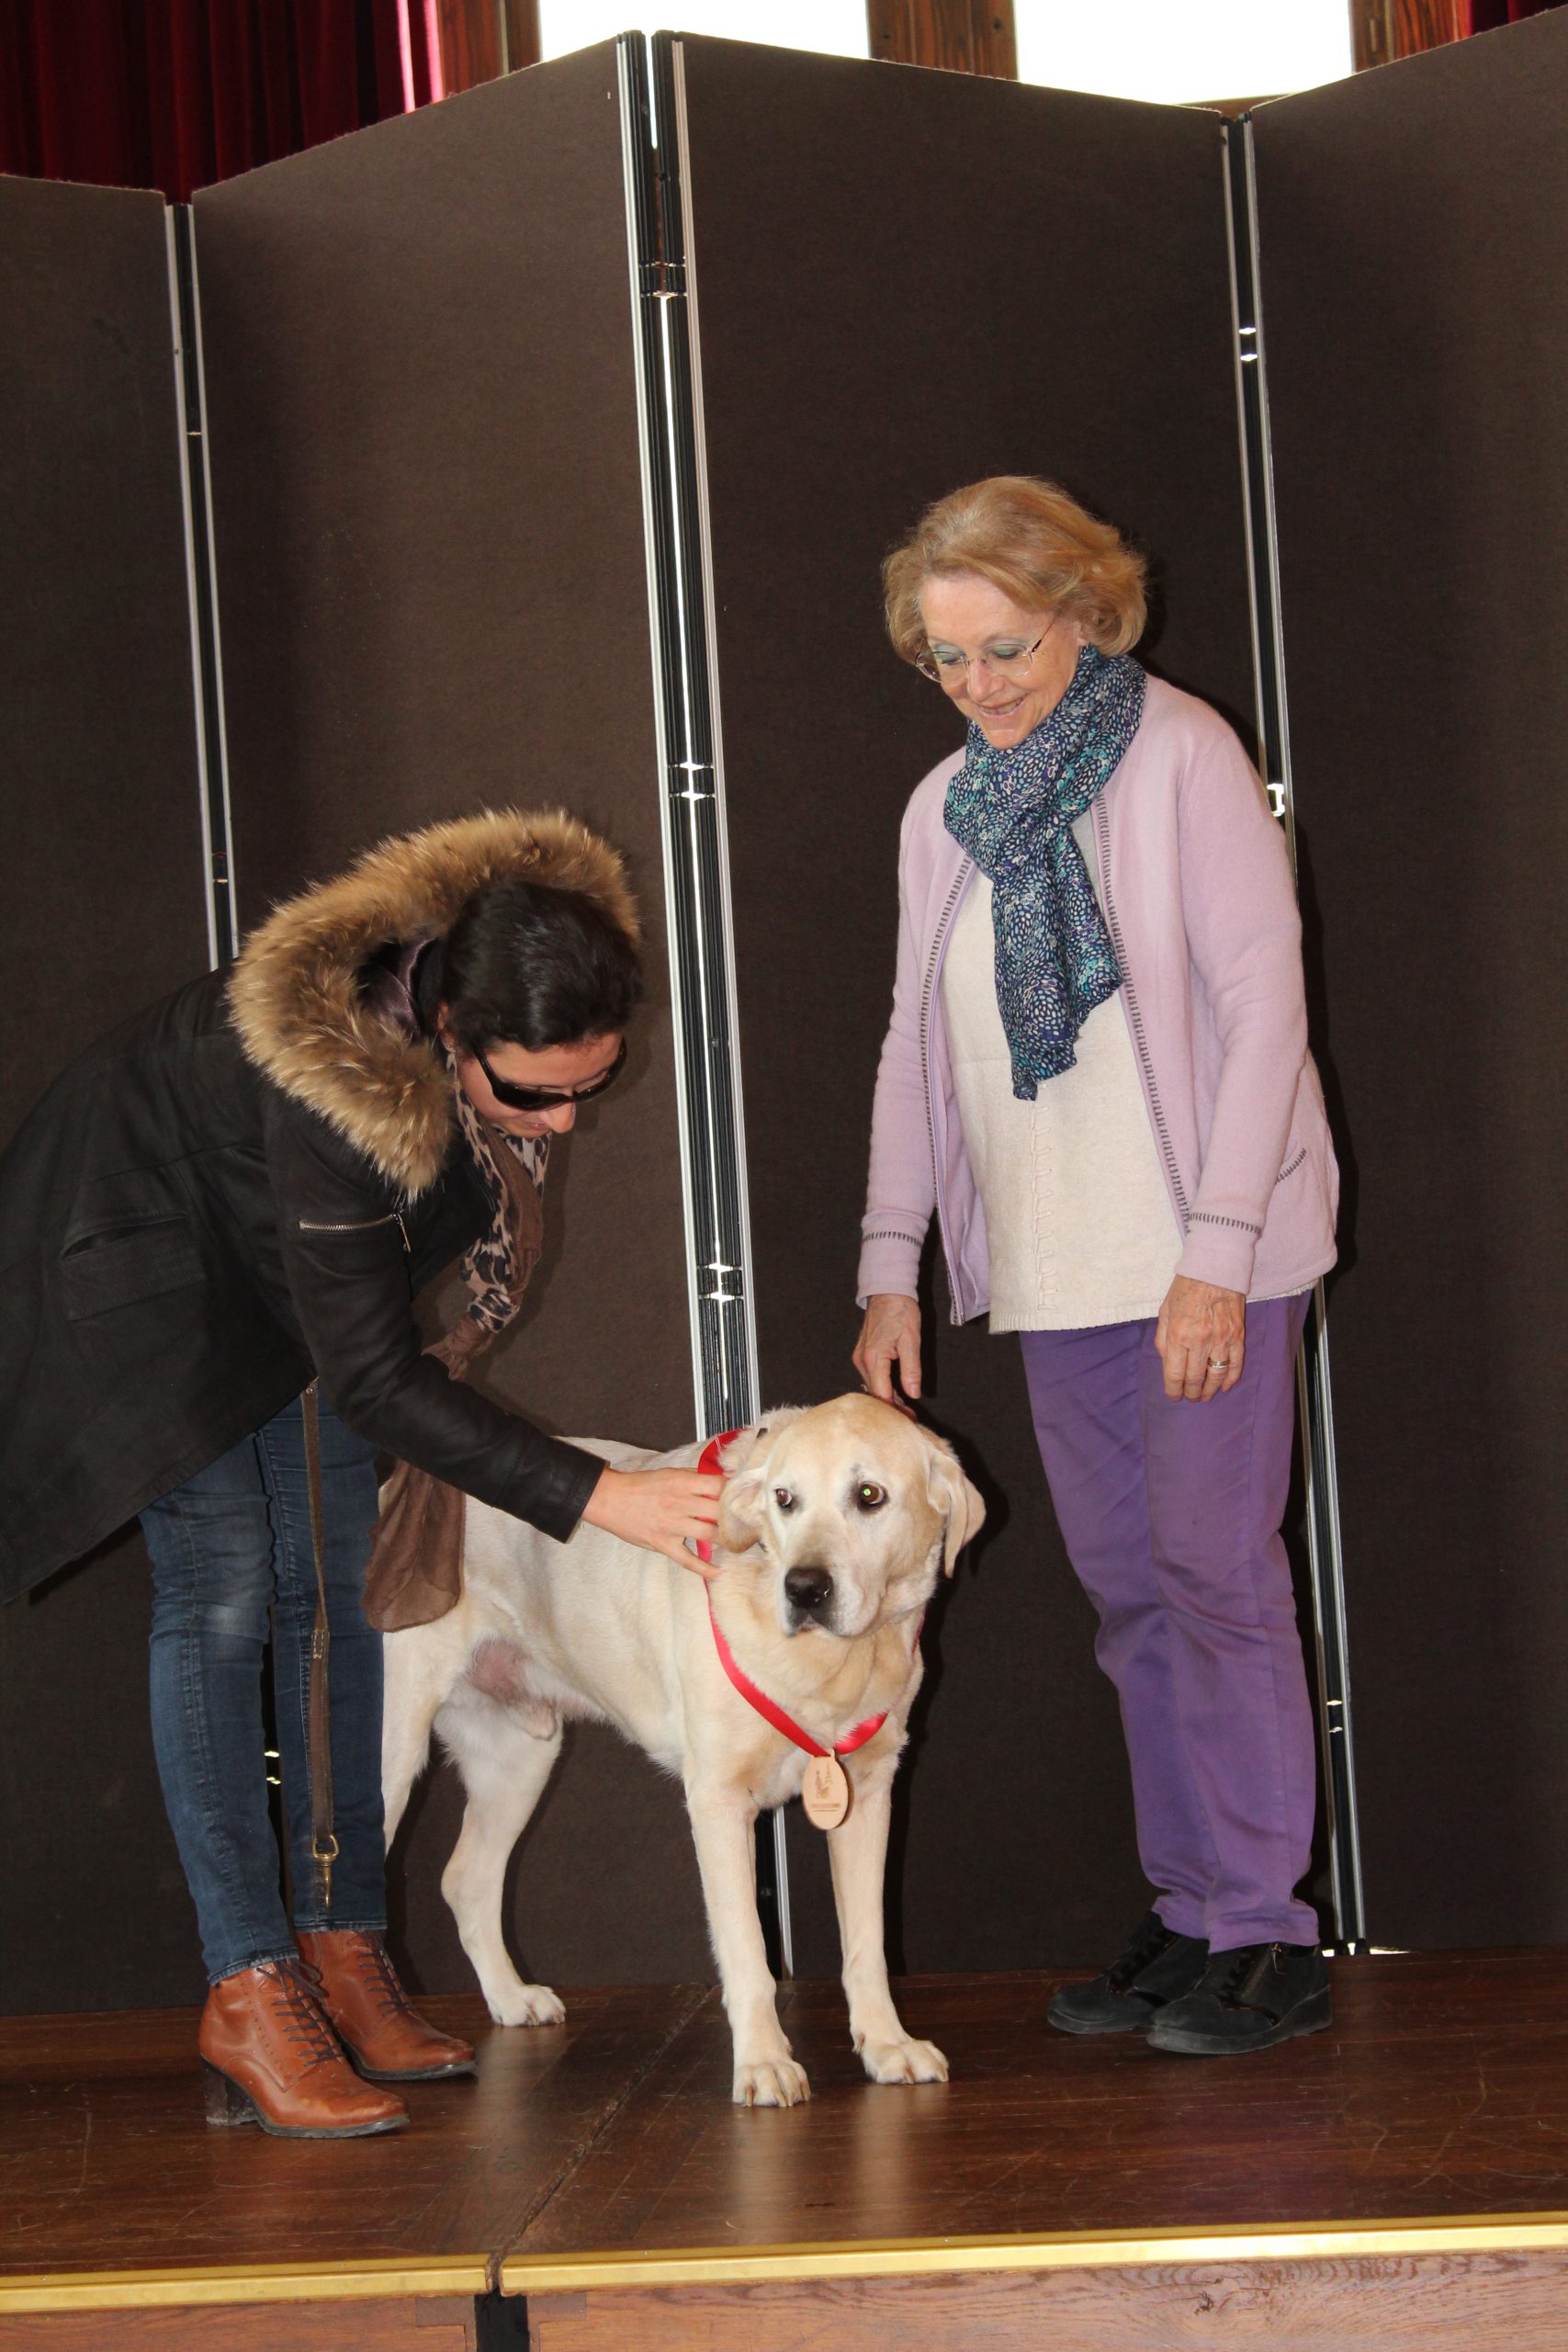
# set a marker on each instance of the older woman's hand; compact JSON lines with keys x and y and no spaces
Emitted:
{"x":1201,"y":1339}
{"x":890,"y":1335}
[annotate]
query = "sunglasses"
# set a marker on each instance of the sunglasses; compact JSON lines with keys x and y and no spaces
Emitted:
{"x":549,"y":1098}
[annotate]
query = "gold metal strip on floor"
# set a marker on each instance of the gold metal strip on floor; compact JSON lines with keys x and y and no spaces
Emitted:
{"x":723,"y":2266}
{"x":1093,"y":2249}
{"x":244,"y":2282}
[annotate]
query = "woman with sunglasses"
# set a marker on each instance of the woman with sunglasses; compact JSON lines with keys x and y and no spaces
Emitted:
{"x":1097,"y":1077}
{"x":218,"y":1219}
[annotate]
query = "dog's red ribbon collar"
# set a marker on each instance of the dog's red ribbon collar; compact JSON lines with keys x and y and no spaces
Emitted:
{"x":710,"y":1468}
{"x":766,"y":1706}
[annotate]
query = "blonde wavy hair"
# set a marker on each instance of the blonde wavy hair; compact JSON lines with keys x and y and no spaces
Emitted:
{"x":1034,"y":543}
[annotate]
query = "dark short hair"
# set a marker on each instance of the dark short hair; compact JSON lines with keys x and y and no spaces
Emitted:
{"x":526,"y":965}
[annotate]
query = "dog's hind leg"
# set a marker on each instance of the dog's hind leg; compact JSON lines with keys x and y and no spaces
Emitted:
{"x":416,"y":1681}
{"x":857,"y":1853}
{"x":505,"y":1767}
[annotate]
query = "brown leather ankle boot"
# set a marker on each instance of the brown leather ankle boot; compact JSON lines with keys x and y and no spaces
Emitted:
{"x":359,"y":1990}
{"x":270,"y":2058}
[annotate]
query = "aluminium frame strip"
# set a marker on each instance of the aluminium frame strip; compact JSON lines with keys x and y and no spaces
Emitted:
{"x":201,"y":588}
{"x":692,"y":809}
{"x":1313,"y":1382}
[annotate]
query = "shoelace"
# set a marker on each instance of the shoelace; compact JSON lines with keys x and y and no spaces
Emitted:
{"x":373,"y":1961}
{"x":302,"y":2020}
{"x":1158,"y":1939}
{"x":1247,"y":1964}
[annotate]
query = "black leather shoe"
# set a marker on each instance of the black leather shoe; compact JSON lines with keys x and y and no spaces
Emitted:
{"x":1249,"y":2000}
{"x":1158,"y":1966}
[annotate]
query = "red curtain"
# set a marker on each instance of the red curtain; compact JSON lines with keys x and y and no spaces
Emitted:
{"x":175,"y":93}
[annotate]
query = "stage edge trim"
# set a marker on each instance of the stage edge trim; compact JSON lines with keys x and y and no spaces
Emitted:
{"x":244,"y":2282}
{"x":693,"y":2267}
{"x":1091,"y":2249}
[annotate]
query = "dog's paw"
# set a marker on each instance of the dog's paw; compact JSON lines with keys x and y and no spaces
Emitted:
{"x":777,"y":2082}
{"x":904,"y":2062}
{"x":526,"y":2005}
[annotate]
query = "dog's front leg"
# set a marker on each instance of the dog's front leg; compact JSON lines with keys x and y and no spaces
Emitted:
{"x":857,"y":1852}
{"x":723,"y":1830}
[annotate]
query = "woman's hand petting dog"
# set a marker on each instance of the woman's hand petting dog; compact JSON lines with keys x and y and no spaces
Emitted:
{"x":889,"y":1335}
{"x":663,"y":1511}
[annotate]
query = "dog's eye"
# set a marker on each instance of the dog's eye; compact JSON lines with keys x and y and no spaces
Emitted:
{"x":871,"y":1498}
{"x":783,"y":1499}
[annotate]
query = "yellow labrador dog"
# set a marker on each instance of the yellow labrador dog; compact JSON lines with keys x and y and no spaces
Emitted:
{"x":834,"y":1524}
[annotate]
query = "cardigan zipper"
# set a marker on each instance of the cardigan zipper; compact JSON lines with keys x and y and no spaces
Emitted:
{"x":1135,"y":1018}
{"x":359,"y":1225}
{"x":933,"y":967}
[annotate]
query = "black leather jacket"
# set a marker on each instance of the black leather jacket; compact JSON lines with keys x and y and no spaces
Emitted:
{"x":184,"y":1245}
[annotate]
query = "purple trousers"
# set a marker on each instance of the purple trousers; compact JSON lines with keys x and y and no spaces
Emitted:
{"x":1170,"y":1513}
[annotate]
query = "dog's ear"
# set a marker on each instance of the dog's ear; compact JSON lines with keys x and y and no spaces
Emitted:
{"x":740,"y":1512}
{"x":745,"y":1461}
{"x":957,"y":1498}
{"x":741,"y":1505}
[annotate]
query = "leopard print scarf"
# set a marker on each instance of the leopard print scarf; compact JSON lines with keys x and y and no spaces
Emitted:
{"x":497,"y":1268}
{"x":415,"y":1573}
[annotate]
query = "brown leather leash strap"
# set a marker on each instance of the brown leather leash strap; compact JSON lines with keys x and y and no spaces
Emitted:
{"x":323,"y":1845}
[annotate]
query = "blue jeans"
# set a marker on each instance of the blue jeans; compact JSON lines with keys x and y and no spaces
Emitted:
{"x":230,"y":1546}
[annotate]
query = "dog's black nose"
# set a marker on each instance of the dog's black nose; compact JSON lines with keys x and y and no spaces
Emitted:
{"x":808,"y":1589}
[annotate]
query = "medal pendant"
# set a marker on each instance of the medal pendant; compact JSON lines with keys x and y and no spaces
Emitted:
{"x":825,"y":1793}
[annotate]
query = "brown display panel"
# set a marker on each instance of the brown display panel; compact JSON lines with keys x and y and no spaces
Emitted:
{"x":1414,"y":228}
{"x":904,"y":280}
{"x":104,"y":911}
{"x":428,"y":526}
{"x":105,"y":883}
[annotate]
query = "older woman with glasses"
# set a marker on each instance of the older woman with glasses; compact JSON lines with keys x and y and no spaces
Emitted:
{"x":217,"y":1220}
{"x":1097,"y":1076}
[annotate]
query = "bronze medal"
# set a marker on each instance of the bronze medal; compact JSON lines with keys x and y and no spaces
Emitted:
{"x":825,"y":1793}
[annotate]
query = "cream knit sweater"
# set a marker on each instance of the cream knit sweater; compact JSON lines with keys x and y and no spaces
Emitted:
{"x":1081,"y":1224}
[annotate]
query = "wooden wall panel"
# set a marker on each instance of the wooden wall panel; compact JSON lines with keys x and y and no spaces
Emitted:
{"x":1381,"y":31}
{"x":428,"y":522}
{"x":1414,"y":249}
{"x":964,"y":35}
{"x":481,"y":40}
{"x":104,"y":912}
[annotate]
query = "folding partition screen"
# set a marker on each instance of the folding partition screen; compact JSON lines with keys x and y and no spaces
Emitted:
{"x":1041,"y":285}
{"x":555,"y":437}
{"x":1414,"y":257}
{"x":428,"y":523}
{"x":106,"y":910}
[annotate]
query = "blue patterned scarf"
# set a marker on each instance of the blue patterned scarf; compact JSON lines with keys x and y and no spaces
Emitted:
{"x":1013,"y":812}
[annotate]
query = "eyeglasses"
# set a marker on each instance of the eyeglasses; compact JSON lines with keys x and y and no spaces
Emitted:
{"x":1007,"y":658}
{"x":549,"y":1098}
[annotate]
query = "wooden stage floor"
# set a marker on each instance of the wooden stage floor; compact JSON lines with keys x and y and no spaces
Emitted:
{"x":1400,"y":2180}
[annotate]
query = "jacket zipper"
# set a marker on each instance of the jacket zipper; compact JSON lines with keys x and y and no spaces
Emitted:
{"x":933,"y":966}
{"x":1135,"y":1018}
{"x":359,"y":1225}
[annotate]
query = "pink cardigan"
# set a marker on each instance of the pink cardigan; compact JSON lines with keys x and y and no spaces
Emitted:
{"x":1199,"y":899}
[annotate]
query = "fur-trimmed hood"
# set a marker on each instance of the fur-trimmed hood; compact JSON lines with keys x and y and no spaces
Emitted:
{"x":296,"y":992}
